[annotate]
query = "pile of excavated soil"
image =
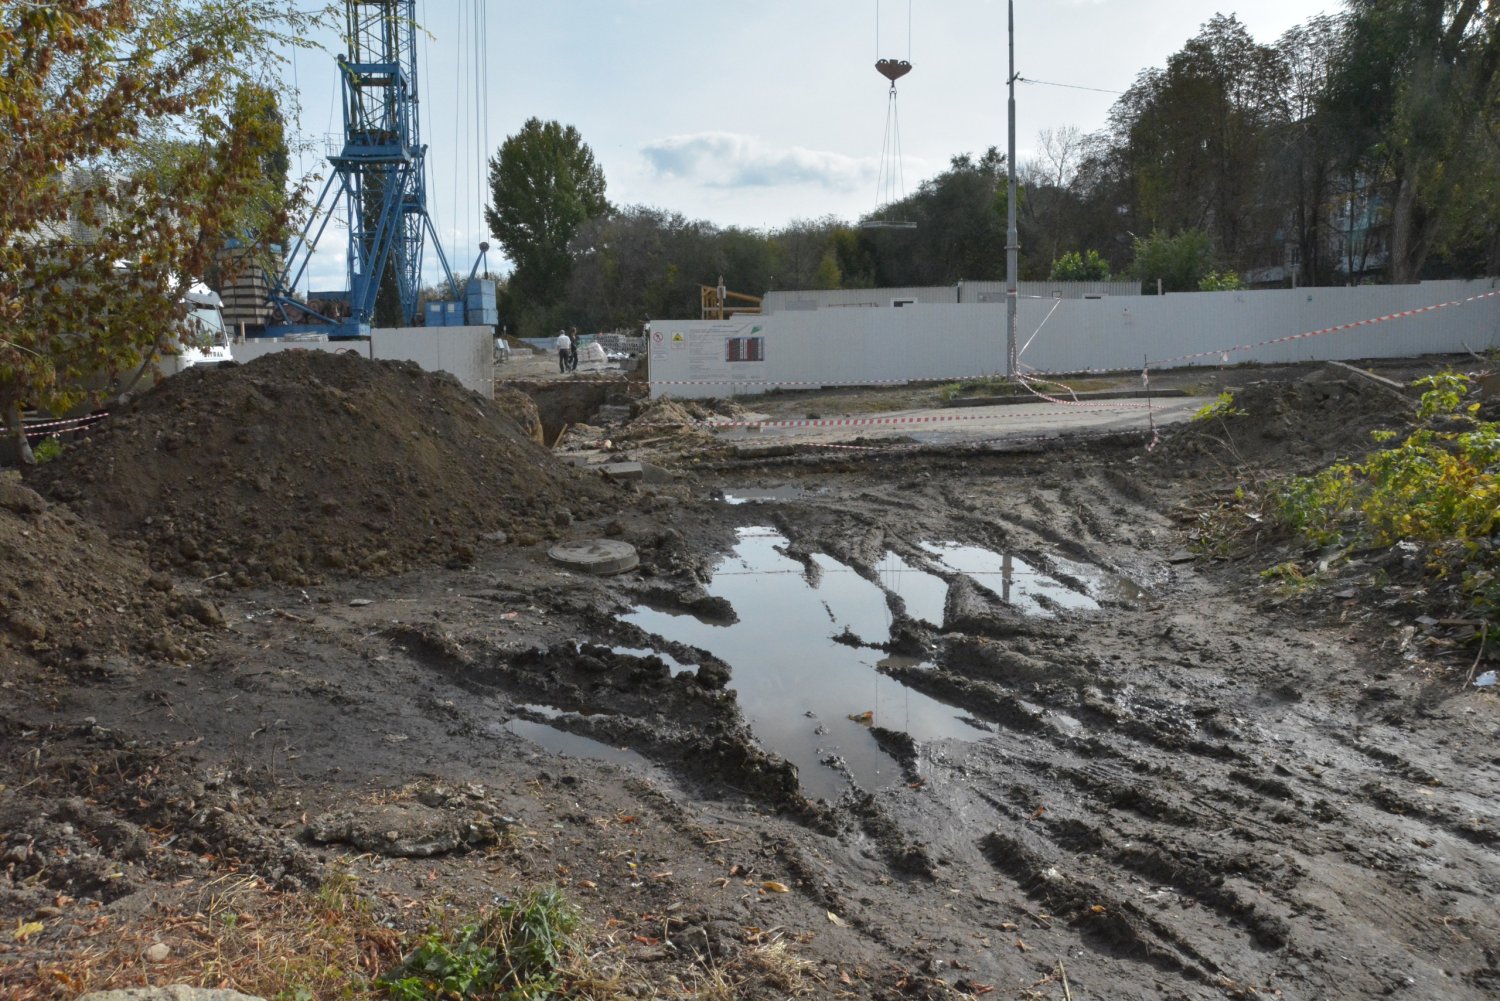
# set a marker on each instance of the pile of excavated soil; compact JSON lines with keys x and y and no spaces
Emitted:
{"x":1326,"y":415}
{"x":69,"y":595}
{"x":301,"y":464}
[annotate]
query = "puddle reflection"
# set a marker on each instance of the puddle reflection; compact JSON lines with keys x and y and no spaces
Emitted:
{"x":764,"y":495}
{"x":797,"y":687}
{"x":574,"y":745}
{"x":1017,"y":582}
{"x":925,"y":594}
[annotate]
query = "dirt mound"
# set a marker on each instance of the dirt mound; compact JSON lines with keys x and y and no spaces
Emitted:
{"x":1328,"y":414}
{"x":70,"y":595}
{"x":305,"y":463}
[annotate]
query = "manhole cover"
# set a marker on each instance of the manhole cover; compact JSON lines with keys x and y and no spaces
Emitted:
{"x":596,"y":556}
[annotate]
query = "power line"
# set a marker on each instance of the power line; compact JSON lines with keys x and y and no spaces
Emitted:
{"x":1070,"y":86}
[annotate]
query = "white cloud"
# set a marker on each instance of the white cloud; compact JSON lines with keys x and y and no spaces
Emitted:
{"x":732,"y":160}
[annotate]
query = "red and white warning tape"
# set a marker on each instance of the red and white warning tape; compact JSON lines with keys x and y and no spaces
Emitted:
{"x":62,"y":426}
{"x":1027,"y":381}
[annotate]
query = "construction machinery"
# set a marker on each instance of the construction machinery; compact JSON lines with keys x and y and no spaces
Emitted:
{"x":717,"y":304}
{"x":378,"y":177}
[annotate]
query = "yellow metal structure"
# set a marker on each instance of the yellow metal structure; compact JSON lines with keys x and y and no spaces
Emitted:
{"x":717,"y":304}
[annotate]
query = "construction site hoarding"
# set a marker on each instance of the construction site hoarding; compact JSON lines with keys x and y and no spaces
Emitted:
{"x":924,"y":342}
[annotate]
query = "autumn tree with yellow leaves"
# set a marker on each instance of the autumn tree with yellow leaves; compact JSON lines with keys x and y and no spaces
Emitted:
{"x":134,"y":139}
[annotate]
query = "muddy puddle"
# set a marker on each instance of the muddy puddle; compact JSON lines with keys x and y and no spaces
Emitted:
{"x":1012,"y":579}
{"x":546,"y":734}
{"x":925,"y":594}
{"x":809,"y":698}
{"x":765,"y":495}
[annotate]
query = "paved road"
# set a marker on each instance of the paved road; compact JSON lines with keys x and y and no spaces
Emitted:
{"x":957,"y":425}
{"x":944,"y":426}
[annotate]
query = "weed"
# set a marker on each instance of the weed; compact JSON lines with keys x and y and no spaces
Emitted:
{"x":995,"y":386}
{"x":47,"y":449}
{"x":1440,"y":485}
{"x":764,"y":965}
{"x":1288,"y":579}
{"x":519,"y":952}
{"x":1228,"y":526}
{"x":282,"y":946}
{"x":1222,"y":407}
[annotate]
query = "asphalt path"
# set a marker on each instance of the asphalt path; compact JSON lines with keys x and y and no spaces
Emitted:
{"x":962,"y":425}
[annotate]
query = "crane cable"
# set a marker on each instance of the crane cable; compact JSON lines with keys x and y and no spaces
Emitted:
{"x":890,"y":184}
{"x":483,"y":83}
{"x":908,"y":30}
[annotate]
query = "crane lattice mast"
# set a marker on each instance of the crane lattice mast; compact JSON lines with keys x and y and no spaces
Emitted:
{"x":378,"y":172}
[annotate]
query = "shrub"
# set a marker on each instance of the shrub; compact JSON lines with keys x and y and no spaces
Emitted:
{"x":1075,"y":267}
{"x":1440,"y":485}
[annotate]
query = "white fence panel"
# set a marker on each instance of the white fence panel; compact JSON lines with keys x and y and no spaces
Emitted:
{"x":929,"y":341}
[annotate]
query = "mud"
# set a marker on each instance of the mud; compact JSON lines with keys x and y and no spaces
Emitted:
{"x":1190,"y":786}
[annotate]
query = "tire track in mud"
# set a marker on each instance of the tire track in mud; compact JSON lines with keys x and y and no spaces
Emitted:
{"x":1220,"y":902}
{"x":1146,"y":780}
{"x":1239,"y":786}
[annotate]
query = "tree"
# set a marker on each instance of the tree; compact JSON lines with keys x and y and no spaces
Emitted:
{"x":960,"y":234}
{"x":1302,"y":170}
{"x":1049,"y":214}
{"x":1189,"y":142}
{"x":1076,"y":267}
{"x":1179,"y":262}
{"x":1415,"y":91}
{"x":1220,"y":281}
{"x":97,"y":241}
{"x":544,"y":185}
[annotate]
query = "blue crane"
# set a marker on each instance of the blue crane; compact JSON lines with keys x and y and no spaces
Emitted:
{"x":379,"y":176}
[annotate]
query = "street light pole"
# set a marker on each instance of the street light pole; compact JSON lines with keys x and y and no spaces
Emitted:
{"x":1012,"y":236}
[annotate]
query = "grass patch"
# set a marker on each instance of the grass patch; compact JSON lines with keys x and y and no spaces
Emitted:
{"x":332,"y":944}
{"x":1001,"y":387}
{"x":244,"y":935}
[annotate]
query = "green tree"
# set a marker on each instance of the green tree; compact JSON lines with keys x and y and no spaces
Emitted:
{"x":636,"y":264}
{"x":1220,"y":281}
{"x":96,"y":246}
{"x":1076,"y":267}
{"x":1050,"y":215}
{"x":1416,"y":93}
{"x":544,"y":185}
{"x":1187,"y":145}
{"x":960,"y":231}
{"x":1302,"y":174}
{"x":1180,"y":262}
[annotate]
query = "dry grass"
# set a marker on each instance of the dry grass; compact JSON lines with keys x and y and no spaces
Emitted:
{"x":769,"y":967}
{"x":244,"y":935}
{"x":237,"y":932}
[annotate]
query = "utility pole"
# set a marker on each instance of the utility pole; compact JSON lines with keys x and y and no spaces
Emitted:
{"x":1012,"y":236}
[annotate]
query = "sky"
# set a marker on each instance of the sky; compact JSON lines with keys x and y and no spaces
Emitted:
{"x":752,"y":114}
